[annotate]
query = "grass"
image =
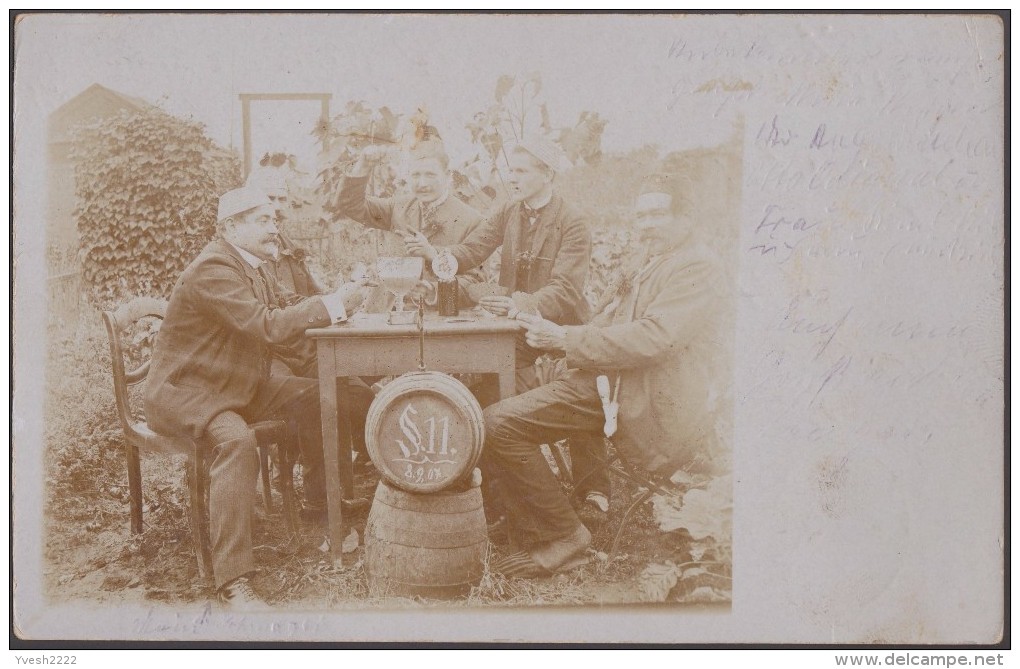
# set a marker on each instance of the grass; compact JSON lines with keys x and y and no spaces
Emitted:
{"x":92,"y":555}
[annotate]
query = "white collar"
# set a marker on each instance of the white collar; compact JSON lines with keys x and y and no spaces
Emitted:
{"x":249,"y":258}
{"x":546,"y":200}
{"x":437,"y":203}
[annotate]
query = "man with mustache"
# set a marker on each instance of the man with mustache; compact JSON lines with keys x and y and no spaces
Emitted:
{"x":290,"y":268}
{"x":432,"y":216}
{"x":655,"y":337}
{"x":210,"y":375}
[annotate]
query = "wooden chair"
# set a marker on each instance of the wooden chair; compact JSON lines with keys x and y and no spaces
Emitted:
{"x":139,"y":437}
{"x":648,"y":484}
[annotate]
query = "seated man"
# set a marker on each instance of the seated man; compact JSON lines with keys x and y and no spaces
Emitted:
{"x":546,"y":250}
{"x":657,"y":337}
{"x":290,"y":267}
{"x":210,"y":374}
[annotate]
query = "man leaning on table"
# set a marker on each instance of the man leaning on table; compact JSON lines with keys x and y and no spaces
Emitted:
{"x":210,"y":376}
{"x":655,"y":338}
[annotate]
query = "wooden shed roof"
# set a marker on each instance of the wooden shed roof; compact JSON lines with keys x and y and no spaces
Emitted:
{"x":95,"y":101}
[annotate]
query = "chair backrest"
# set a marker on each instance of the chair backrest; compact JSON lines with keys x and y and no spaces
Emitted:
{"x":116,"y":322}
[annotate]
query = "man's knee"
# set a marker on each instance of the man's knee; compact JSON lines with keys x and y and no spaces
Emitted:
{"x":233,"y":443}
{"x":226,"y":426}
{"x":243,"y":446}
{"x":235,"y":460}
{"x":496,"y":417}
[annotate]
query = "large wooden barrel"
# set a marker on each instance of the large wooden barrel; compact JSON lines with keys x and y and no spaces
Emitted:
{"x":430,"y":545}
{"x":424,"y":431}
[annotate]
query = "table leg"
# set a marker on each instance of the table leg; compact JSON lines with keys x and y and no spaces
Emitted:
{"x":346,"y":447}
{"x":507,"y":383}
{"x":330,"y":448}
{"x":505,"y":358}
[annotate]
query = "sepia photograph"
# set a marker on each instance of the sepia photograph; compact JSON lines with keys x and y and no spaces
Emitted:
{"x":555,"y":328}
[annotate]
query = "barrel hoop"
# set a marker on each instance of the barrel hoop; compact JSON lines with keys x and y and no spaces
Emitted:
{"x":429,"y":586}
{"x":390,"y":542}
{"x":442,"y":502}
{"x":428,"y":509}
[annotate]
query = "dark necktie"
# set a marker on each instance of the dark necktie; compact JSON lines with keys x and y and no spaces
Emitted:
{"x":531,"y":214}
{"x":429,"y":225}
{"x":260,"y":272}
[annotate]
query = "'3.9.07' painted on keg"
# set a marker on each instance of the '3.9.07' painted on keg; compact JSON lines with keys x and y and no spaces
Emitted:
{"x":427,"y":454}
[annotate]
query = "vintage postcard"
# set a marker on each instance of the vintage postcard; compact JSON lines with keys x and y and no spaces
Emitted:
{"x":509,"y":328}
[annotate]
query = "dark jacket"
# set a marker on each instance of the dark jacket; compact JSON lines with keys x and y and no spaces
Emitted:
{"x":223,"y":326}
{"x":560,"y":252}
{"x":291,"y":271}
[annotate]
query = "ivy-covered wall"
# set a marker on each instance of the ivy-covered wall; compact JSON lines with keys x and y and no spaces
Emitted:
{"x":147,"y":186}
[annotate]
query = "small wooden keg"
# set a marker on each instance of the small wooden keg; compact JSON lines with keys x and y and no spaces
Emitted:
{"x":424,"y":432}
{"x":425,"y":545}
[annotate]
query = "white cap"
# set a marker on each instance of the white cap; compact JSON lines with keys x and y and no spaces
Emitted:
{"x":546,"y":151}
{"x":240,"y":200}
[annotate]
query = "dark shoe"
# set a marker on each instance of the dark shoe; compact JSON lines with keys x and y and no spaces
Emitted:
{"x":522,"y":565}
{"x":313,"y":513}
{"x":597,"y":500}
{"x":499,"y":531}
{"x":563,"y":552}
{"x":316,"y":513}
{"x":239,"y":595}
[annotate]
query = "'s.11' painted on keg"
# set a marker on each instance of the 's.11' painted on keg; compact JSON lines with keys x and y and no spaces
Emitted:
{"x":414,"y":437}
{"x":424,"y":432}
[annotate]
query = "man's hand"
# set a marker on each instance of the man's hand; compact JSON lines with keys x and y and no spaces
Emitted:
{"x":419,"y":245}
{"x":424,"y":290}
{"x":499,"y":305}
{"x":543,"y":334}
{"x":352,"y":293}
{"x":370,"y":156}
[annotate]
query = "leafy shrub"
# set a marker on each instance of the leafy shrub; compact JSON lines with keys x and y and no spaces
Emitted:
{"x":609,"y":247}
{"x":86,"y":475}
{"x":342,"y":139}
{"x":343,"y":243}
{"x":82,"y":430}
{"x":606,"y":191}
{"x":147,"y":185}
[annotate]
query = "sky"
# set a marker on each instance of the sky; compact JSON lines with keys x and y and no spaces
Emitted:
{"x":195,"y":66}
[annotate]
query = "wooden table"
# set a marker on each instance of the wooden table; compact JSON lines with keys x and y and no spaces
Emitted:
{"x":369,"y":346}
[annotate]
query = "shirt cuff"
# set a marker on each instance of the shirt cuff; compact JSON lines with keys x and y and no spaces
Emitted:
{"x":334,"y":304}
{"x":572,"y":345}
